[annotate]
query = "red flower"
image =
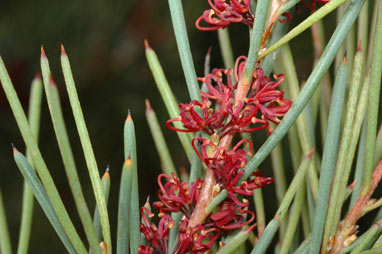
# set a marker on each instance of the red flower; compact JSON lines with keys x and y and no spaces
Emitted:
{"x":229,"y":167}
{"x":157,"y":236}
{"x":176,"y":196}
{"x":230,"y":217}
{"x":219,"y":115}
{"x":196,"y":240}
{"x":223,"y":13}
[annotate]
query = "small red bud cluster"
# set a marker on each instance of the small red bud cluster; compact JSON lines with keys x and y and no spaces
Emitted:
{"x":218,"y":115}
{"x":225,"y":12}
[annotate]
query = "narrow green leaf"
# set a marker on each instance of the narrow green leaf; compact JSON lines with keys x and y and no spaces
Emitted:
{"x":375,"y":87}
{"x":372,"y":251}
{"x":293,"y":220}
{"x":87,"y":148}
{"x":54,"y":105}
{"x":367,"y":237}
{"x":5,"y":241}
{"x":329,"y":158}
{"x":130,"y":152}
{"x":39,"y":162}
{"x":124,"y":204}
{"x":42,"y":197}
{"x":173,"y":238}
{"x":317,"y":15}
{"x":257,"y":33}
{"x":359,"y":166}
{"x":278,"y":31}
{"x":363,"y":30}
{"x":168,"y":97}
{"x":306,"y":140}
{"x":226,"y":49}
{"x":166,"y":161}
{"x":304,"y":246}
{"x":259,"y":208}
{"x":266,"y":239}
{"x":342,"y":171}
{"x":106,"y":190}
{"x":28,"y":199}
{"x":180,"y":31}
{"x":233,"y":244}
{"x":295,"y":185}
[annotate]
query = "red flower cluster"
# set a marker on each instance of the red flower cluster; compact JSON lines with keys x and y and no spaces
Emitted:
{"x":217,"y":115}
{"x":222,"y":14}
{"x":263,"y":104}
{"x":229,"y":167}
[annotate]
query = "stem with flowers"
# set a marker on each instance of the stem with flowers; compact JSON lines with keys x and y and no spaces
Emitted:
{"x":206,"y":209}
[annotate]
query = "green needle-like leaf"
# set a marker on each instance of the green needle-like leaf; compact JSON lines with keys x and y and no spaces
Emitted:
{"x":367,"y":237}
{"x":168,"y":98}
{"x":38,"y":161}
{"x":42,"y":197}
{"x":28,"y":199}
{"x":5,"y":241}
{"x":54,"y":105}
{"x":317,"y":15}
{"x":87,"y":148}
{"x":130,"y":152}
{"x":106,"y":190}
{"x":257,"y":33}
{"x":160,"y":143}
{"x":266,"y":239}
{"x":232,"y":245}
{"x":374,"y":98}
{"x":342,"y":171}
{"x":329,"y":158}
{"x":123,"y":231}
{"x":180,"y":31}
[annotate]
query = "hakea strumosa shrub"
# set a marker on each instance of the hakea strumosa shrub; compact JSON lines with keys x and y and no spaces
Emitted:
{"x":223,"y":13}
{"x":217,"y":116}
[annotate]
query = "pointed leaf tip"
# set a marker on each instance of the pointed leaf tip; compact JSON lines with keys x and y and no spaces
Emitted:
{"x":148,"y":106}
{"x":42,"y":51}
{"x":344,"y":59}
{"x":128,"y":118}
{"x":63,"y":52}
{"x":37,"y":75}
{"x":147,"y":46}
{"x":128,"y":162}
{"x":51,"y":80}
{"x":14,"y":149}
{"x":209,"y":50}
{"x":107,"y":173}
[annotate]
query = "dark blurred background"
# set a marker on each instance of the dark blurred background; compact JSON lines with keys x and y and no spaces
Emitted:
{"x":104,"y":41}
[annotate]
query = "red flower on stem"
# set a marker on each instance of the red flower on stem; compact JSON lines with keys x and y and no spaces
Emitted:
{"x":219,"y":116}
{"x":222,"y":14}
